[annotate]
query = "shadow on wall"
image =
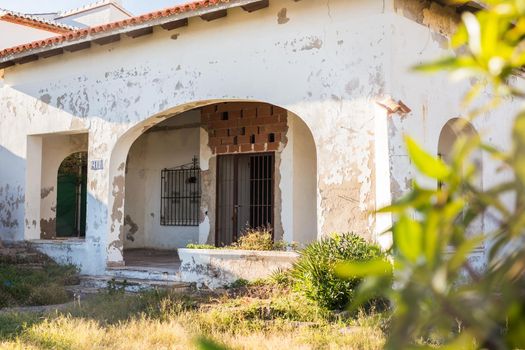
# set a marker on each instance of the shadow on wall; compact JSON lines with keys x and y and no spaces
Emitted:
{"x":11,"y":196}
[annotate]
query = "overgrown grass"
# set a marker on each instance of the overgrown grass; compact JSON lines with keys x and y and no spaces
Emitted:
{"x":249,"y":317}
{"x":41,"y":285}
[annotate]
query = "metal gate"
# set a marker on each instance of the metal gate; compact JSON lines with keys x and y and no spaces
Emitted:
{"x":245,"y":194}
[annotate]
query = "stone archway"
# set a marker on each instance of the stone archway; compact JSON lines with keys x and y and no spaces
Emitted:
{"x":223,"y":128}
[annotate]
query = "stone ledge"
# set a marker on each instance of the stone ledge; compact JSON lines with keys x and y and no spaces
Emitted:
{"x":215,"y":268}
{"x":57,"y":241}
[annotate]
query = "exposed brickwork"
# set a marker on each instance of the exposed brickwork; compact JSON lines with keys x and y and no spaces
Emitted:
{"x":245,"y":127}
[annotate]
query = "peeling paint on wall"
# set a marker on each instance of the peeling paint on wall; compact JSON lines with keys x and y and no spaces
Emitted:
{"x":117,"y":213}
{"x":46,"y":191}
{"x":281,"y":16}
{"x":441,"y":19}
{"x":10,"y":201}
{"x":48,"y":228}
{"x":133,"y":228}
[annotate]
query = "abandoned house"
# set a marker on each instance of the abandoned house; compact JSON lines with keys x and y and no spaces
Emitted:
{"x":121,"y":134}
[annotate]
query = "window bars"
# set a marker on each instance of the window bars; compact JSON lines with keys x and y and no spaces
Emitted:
{"x":180,"y":195}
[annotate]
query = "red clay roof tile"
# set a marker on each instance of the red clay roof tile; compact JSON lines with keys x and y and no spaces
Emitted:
{"x":77,"y":34}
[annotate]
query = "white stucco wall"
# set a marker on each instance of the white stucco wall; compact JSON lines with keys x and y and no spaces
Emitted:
{"x":298,"y":184}
{"x":304,"y":184}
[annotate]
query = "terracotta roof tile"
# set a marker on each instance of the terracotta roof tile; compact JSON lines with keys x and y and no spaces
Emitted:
{"x":35,"y":21}
{"x":80,"y":33}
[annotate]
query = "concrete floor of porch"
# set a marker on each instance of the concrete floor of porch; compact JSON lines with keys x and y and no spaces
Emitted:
{"x":152,"y":258}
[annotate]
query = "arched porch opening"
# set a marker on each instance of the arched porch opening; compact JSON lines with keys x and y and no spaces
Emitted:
{"x":208,"y":173}
{"x":454,"y":129}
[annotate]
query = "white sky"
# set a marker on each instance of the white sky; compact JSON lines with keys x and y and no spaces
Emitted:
{"x":136,"y":7}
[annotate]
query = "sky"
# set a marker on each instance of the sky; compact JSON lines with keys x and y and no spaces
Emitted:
{"x":136,"y":7}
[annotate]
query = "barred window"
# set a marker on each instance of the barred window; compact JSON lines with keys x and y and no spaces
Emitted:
{"x":180,"y":195}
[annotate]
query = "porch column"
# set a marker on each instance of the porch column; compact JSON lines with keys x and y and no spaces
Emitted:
{"x":105,"y":200}
{"x":33,"y":186}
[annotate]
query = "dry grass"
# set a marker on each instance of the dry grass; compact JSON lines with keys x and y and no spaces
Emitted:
{"x":278,"y":319}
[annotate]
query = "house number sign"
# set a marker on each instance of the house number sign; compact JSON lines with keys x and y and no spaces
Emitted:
{"x":97,"y":164}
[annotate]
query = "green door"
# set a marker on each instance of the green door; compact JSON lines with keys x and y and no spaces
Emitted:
{"x":71,"y":197}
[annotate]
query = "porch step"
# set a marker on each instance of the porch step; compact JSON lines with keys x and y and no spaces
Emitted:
{"x":145,"y":273}
{"x":22,"y":253}
{"x":88,"y":284}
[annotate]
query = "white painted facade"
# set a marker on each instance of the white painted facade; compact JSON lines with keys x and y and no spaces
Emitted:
{"x":326,"y":63}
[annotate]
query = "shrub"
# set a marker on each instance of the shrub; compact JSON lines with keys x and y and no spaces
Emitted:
{"x":259,"y":238}
{"x":314,"y":273}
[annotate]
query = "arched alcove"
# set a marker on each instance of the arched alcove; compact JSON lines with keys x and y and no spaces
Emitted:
{"x":453,"y":130}
{"x":256,"y":165}
{"x":450,"y":133}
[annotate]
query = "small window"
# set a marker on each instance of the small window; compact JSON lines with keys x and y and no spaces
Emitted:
{"x":181,"y":195}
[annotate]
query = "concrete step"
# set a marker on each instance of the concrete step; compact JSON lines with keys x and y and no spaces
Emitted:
{"x":145,"y":273}
{"x":131,"y":285}
{"x":22,"y":253}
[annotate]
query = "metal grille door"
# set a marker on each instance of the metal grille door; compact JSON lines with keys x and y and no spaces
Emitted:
{"x":245,"y":191}
{"x":180,"y":195}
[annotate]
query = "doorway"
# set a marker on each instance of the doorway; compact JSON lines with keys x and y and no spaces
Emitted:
{"x":71,"y":196}
{"x":245,"y":194}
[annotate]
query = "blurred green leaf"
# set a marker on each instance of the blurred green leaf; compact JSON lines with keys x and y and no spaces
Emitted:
{"x":408,"y":238}
{"x":427,"y":164}
{"x":463,"y":251}
{"x":378,"y":267}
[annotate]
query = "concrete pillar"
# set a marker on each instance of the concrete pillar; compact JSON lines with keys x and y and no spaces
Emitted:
{"x":33,"y":187}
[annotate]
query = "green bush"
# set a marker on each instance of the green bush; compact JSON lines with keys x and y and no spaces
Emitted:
{"x":314,"y":273}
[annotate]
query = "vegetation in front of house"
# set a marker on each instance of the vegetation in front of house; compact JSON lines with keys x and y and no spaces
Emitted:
{"x":254,"y":316}
{"x":315,"y":275}
{"x":259,"y":238}
{"x":29,"y":278}
{"x":35,"y":285}
{"x":441,"y":296}
{"x":200,"y":246}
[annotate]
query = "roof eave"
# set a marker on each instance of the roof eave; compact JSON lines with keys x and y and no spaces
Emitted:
{"x":71,"y":45}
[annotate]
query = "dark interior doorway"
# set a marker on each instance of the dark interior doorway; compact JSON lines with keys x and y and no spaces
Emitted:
{"x":71,"y":196}
{"x":245,"y":194}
